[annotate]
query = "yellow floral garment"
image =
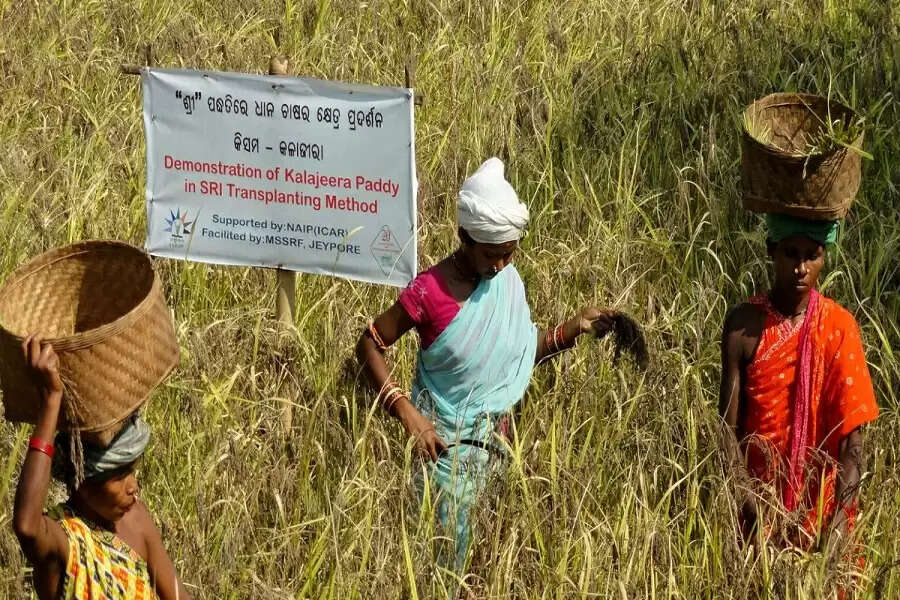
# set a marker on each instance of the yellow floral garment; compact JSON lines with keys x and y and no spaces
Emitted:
{"x":100,"y":565}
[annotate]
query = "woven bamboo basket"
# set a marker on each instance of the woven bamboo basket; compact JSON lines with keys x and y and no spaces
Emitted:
{"x":778,"y":176}
{"x":101,"y":306}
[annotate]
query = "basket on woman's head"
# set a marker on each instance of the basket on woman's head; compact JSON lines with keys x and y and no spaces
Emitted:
{"x":101,"y":306}
{"x":800,"y":156}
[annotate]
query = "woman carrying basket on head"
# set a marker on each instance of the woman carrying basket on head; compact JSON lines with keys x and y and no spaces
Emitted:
{"x":796,"y":392}
{"x":102,"y":542}
{"x":478,"y":347}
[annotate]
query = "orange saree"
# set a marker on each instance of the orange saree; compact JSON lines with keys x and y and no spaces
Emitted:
{"x":807,"y":387}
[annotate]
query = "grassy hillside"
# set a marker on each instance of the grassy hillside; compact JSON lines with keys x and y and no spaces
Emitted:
{"x":272,"y":473}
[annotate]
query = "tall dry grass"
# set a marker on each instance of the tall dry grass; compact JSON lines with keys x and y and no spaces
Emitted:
{"x":619,"y":122}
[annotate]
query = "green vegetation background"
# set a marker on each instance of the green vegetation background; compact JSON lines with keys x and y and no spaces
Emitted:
{"x":619,"y":123}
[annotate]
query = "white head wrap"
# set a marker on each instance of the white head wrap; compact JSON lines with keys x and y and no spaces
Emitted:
{"x":488,"y":208}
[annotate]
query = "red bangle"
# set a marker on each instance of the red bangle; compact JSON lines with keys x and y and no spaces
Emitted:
{"x":555,"y":340}
{"x":35,"y":443}
{"x":560,"y":338}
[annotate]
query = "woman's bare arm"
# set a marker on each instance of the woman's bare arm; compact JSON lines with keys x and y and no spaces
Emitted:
{"x":588,"y":320}
{"x":730,"y":383}
{"x":734,"y":344}
{"x":390,"y":327}
{"x":42,"y":539}
{"x":163,"y":575}
{"x":849,"y":475}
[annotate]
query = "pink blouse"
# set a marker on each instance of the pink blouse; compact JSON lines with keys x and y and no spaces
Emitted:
{"x":428,"y":302}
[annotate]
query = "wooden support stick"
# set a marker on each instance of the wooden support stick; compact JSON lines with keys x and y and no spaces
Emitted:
{"x":286,"y":296}
{"x":409,"y":72}
{"x":286,"y":290}
{"x":286,"y":282}
{"x":136,"y":69}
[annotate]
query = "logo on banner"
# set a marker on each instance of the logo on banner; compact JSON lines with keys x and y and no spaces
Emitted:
{"x":386,"y":250}
{"x":178,"y":228}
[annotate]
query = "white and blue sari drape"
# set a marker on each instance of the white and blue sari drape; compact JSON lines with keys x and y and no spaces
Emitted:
{"x":469,"y":378}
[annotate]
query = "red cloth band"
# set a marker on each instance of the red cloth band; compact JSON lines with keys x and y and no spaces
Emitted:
{"x":40,"y":445}
{"x":376,"y":337}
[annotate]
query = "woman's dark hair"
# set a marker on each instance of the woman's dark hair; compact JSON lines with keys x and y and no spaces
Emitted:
{"x":466,"y":238}
{"x":61,"y":468}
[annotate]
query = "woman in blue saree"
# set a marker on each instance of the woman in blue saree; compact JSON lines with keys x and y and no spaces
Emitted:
{"x":478,"y":348}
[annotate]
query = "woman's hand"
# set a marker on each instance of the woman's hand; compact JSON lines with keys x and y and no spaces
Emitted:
{"x":749,"y":513}
{"x":838,"y":539}
{"x":43,"y":362}
{"x":589,"y":319}
{"x":595,"y":320}
{"x":427,"y":440}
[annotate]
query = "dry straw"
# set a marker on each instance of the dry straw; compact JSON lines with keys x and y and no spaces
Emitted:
{"x":101,"y":306}
{"x":800,"y":156}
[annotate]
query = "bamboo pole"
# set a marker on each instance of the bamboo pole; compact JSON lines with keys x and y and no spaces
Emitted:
{"x":286,"y":283}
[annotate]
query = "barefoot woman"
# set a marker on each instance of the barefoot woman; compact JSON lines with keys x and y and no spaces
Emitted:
{"x":101,"y":543}
{"x":478,"y":346}
{"x":796,"y":389}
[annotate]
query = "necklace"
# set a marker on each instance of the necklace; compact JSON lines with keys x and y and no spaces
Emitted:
{"x":786,"y":316}
{"x":461,"y":271}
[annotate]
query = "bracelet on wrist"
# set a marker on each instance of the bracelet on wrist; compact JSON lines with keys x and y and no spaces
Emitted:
{"x":555,"y":340}
{"x":552,"y":347}
{"x":390,"y":406}
{"x":390,"y":394}
{"x":387,"y":389}
{"x":36,"y":443}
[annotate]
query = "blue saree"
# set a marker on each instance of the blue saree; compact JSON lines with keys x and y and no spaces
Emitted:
{"x":469,"y":378}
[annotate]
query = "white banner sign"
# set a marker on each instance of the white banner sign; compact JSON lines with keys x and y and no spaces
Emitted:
{"x":269,"y":171}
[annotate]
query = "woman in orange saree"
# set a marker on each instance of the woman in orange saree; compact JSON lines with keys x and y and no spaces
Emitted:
{"x":796,"y":391}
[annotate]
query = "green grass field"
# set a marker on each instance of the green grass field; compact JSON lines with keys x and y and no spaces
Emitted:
{"x":272,"y":473}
